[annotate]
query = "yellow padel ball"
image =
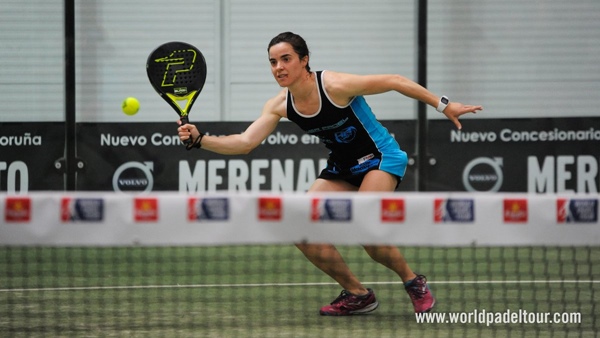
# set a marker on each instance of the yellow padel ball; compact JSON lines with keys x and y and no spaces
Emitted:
{"x":131,"y":106}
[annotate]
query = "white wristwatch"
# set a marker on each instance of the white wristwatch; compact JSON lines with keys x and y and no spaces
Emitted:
{"x":442,"y":104}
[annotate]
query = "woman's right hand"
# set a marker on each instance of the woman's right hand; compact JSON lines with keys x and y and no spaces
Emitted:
{"x":187,"y":131}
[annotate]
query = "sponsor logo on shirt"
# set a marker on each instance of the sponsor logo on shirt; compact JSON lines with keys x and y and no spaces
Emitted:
{"x":346,"y":135}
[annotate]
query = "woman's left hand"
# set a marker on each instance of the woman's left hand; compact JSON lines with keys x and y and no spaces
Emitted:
{"x":455,"y":109}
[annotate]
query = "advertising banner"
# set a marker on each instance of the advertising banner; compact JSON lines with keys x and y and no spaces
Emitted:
{"x":28,"y":156}
{"x":150,"y":157}
{"x":516,"y":155}
{"x":487,"y":155}
{"x":170,"y":218}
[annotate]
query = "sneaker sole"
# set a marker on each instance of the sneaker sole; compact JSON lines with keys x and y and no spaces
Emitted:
{"x":365,"y":310}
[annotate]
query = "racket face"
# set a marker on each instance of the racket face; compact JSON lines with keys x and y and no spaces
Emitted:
{"x":177,"y":71}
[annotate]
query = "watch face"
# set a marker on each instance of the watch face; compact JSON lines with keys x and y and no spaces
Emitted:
{"x":445,"y":100}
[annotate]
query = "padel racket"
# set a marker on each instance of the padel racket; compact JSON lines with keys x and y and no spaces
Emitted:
{"x":177,"y":71}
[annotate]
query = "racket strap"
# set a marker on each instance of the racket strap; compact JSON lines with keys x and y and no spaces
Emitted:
{"x":196,"y":143}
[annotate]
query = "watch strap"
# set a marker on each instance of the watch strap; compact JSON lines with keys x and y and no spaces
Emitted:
{"x":444,"y":101}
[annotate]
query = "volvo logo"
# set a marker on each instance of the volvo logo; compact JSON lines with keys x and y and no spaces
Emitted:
{"x":134,"y":176}
{"x":483,"y":174}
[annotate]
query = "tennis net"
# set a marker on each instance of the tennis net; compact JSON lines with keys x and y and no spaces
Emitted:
{"x":89,"y":265}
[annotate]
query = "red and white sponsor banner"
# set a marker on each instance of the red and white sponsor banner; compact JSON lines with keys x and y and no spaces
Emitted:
{"x":424,"y":219}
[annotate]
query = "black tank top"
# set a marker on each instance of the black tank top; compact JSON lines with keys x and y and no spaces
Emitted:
{"x":352,"y":133}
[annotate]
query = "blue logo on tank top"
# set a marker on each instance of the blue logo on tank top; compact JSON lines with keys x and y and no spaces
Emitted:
{"x":346,"y":135}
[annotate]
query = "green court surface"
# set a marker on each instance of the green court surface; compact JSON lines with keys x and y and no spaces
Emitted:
{"x":273,"y":291}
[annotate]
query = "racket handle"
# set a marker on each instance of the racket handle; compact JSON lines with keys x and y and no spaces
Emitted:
{"x":184,"y":120}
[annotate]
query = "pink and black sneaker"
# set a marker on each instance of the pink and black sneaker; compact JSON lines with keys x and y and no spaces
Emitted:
{"x":419,"y":293}
{"x":347,"y":304}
